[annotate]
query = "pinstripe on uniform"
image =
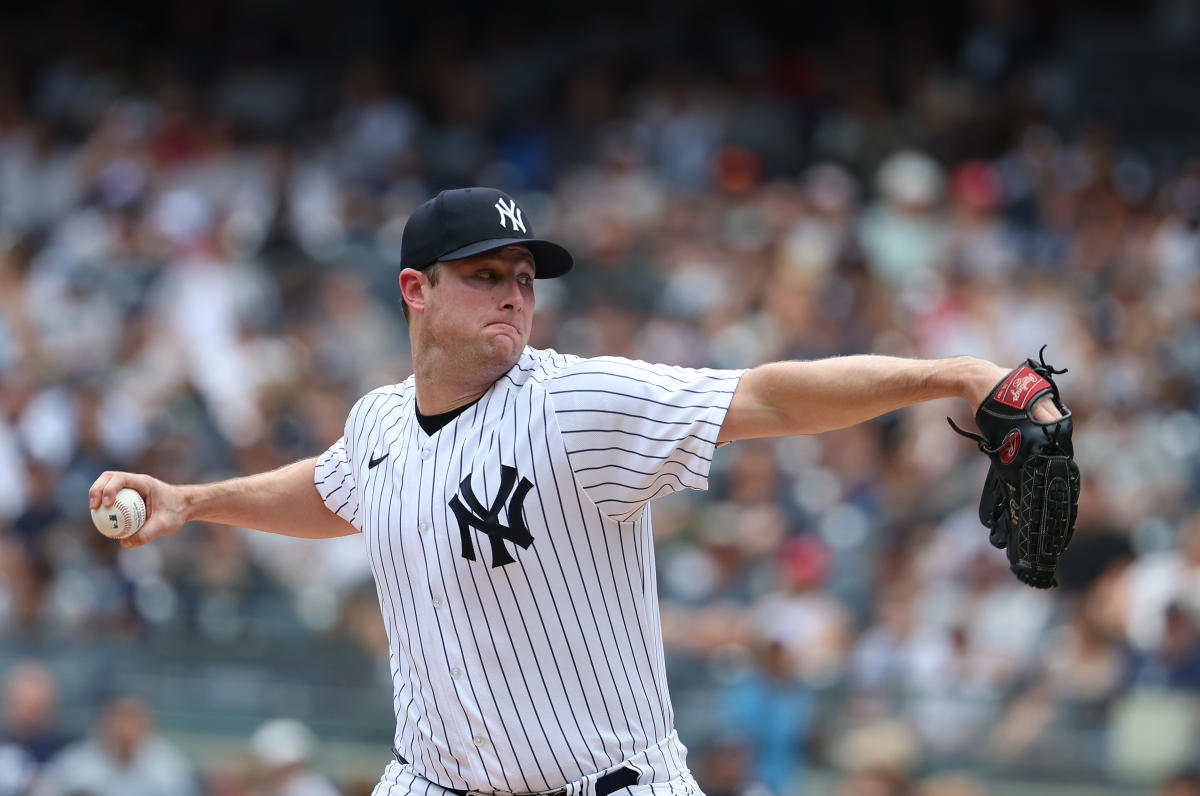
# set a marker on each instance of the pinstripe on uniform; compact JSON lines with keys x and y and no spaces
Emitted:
{"x":525,"y":676}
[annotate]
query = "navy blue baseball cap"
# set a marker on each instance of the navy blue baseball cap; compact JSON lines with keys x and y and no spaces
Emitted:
{"x":466,"y":221}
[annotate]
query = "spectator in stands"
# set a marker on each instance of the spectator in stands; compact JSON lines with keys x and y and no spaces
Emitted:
{"x":122,"y":757}
{"x":770,"y":707}
{"x":1175,"y":662}
{"x":283,"y":751}
{"x":31,"y":694}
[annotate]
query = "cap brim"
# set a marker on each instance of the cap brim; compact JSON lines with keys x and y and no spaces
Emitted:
{"x":549,"y":259}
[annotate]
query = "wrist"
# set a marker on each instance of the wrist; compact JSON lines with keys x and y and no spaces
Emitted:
{"x":977,"y":378}
{"x":187,"y":502}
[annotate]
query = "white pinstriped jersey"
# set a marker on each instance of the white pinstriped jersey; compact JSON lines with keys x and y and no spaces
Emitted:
{"x":514,"y":562}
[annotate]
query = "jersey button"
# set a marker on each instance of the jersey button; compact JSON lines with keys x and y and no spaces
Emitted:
{"x":437,"y":602}
{"x":456,"y":673}
{"x":426,"y":453}
{"x":422,"y":527}
{"x":479,"y":740}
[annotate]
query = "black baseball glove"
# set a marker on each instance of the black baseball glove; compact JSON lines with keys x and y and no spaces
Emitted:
{"x":1032,"y":489}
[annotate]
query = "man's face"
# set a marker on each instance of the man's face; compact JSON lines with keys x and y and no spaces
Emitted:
{"x":126,"y":725}
{"x":480,"y":311}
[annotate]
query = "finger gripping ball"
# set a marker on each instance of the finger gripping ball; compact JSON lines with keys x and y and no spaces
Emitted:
{"x":124,"y":517}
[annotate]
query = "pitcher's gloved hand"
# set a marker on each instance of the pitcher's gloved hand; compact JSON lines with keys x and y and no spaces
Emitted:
{"x":1032,"y":488}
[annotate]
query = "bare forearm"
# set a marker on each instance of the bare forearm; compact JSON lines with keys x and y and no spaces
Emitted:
{"x":281,"y":501}
{"x":821,"y":395}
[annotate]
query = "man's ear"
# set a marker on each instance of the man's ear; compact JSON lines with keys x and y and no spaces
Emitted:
{"x":412,"y":288}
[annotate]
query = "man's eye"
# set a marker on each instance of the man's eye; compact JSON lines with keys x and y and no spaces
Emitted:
{"x":526,"y":281}
{"x":484,"y":274}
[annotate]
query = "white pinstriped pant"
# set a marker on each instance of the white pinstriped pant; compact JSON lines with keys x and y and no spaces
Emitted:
{"x":662,"y":771}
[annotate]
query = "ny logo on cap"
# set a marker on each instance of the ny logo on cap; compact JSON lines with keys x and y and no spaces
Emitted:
{"x":487,"y":520}
{"x":512,"y":212}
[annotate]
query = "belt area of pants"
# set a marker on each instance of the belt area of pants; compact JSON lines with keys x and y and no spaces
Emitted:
{"x":605,"y":785}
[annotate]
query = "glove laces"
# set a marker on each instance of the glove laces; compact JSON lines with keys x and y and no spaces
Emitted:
{"x":979,"y":438}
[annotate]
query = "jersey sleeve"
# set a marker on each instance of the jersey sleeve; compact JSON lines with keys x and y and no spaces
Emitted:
{"x":334,"y":479}
{"x":335,"y":476}
{"x":634,"y":430}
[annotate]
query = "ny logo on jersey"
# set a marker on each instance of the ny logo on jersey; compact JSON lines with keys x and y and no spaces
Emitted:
{"x":512,"y":213}
{"x":474,"y":515}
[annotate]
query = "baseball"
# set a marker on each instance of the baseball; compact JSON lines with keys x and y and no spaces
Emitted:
{"x":123,"y":517}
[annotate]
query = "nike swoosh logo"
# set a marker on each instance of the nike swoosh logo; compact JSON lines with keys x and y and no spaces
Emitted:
{"x":376,"y":461}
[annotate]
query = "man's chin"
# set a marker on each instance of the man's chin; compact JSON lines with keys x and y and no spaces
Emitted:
{"x":506,"y":349}
{"x":505,"y":338}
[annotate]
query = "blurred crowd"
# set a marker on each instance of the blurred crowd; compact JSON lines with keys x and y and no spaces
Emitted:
{"x":124,"y":754}
{"x":198,"y":278}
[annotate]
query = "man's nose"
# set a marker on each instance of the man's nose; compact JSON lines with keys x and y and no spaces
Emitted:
{"x":512,"y":296}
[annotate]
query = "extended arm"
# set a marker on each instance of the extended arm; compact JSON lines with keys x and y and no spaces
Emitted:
{"x":283,"y":501}
{"x":809,"y":397}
